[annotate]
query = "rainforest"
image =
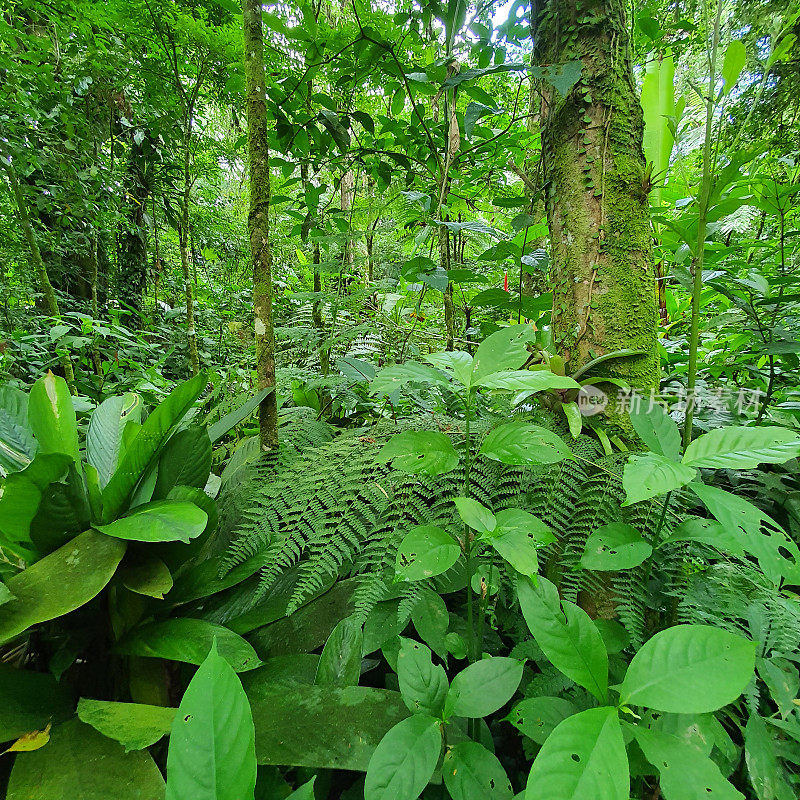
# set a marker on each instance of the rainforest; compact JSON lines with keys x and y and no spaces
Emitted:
{"x":400,"y":400}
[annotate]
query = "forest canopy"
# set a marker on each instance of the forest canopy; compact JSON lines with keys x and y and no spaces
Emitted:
{"x":400,"y":399}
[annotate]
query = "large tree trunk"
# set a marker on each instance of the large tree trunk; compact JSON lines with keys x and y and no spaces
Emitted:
{"x":183,"y":235}
{"x":258,"y":219}
{"x":596,"y":195}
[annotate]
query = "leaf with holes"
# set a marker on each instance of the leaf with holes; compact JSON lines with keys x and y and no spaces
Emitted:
{"x":420,"y":452}
{"x":689,"y":669}
{"x":471,"y":772}
{"x":615,"y":546}
{"x":424,"y":552}
{"x":584,"y":757}
{"x":537,"y":717}
{"x":423,"y":685}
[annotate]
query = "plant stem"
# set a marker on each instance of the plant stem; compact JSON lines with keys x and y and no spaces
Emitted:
{"x":699,"y":256}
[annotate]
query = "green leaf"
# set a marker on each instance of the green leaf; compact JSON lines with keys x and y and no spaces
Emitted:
{"x":51,"y":416}
{"x":689,"y":669}
{"x":537,"y":717}
{"x":657,"y":430}
{"x":424,"y":552}
{"x":483,"y":687}
{"x":527,"y":382}
{"x":420,"y":452}
{"x":475,"y":514}
{"x":184,"y":461}
{"x":322,"y":727}
{"x":306,"y":791}
{"x":563,"y":76}
{"x":651,"y":475}
{"x":405,"y":760}
{"x":160,"y":521}
{"x":734,"y":447}
{"x":395,"y":377}
{"x":566,"y":634}
{"x":30,"y":701}
{"x":143,"y":451}
{"x":104,"y":439}
{"x":134,"y":725}
{"x":518,"y":549}
{"x":423,"y":686}
{"x":685,"y":772}
{"x":148,"y":576}
{"x":471,"y":772}
{"x":473,"y":113}
{"x":520,"y":443}
{"x":615,"y":546}
{"x":17,"y":445}
{"x":431,"y":619}
{"x":78,"y":762}
{"x":339,"y":133}
{"x":515,"y":520}
{"x":188,"y":640}
{"x":584,"y":757}
{"x":60,"y":582}
{"x":212,"y":742}
{"x":238,"y":415}
{"x":767,"y":775}
{"x":503,"y":350}
{"x":340,"y":662}
{"x":733,"y":64}
{"x":459,"y":362}
{"x":574,"y":417}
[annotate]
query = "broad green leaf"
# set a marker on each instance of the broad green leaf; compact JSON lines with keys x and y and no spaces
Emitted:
{"x":615,"y":546}
{"x":471,"y":772}
{"x":424,"y":552}
{"x":651,"y":475}
{"x":30,"y":701}
{"x":184,"y":461}
{"x":657,"y":430}
{"x":143,"y":451}
{"x":781,"y":677}
{"x":391,"y":378}
{"x":423,"y":686}
{"x":425,"y":452}
{"x":658,"y":104}
{"x":17,"y":445}
{"x":572,"y":412}
{"x":518,"y":549}
{"x":520,"y":443}
{"x":233,"y":418}
{"x":188,"y":640}
{"x":527,"y":382}
{"x":322,"y":727}
{"x":457,"y":361}
{"x":566,"y":634}
{"x":735,"y":447}
{"x":5,"y":594}
{"x":685,"y":773}
{"x":340,"y":662}
{"x":79,"y":762}
{"x":212,"y":742}
{"x":483,"y":687}
{"x":63,"y":512}
{"x":305,"y":792}
{"x":584,"y":757}
{"x":134,"y":725}
{"x":766,"y":773}
{"x":431,"y":619}
{"x":404,"y":761}
{"x":176,"y":554}
{"x":537,"y":717}
{"x":475,"y":514}
{"x":733,"y":64}
{"x":706,"y":531}
{"x":51,"y":416}
{"x":503,"y":350}
{"x":148,"y":576}
{"x":689,"y":669}
{"x":473,"y":113}
{"x":104,"y":439}
{"x":515,"y":520}
{"x":60,"y":582}
{"x":159,"y":521}
{"x":21,"y":496}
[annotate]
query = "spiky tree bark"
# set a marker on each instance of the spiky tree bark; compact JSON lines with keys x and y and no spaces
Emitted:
{"x":258,"y":218}
{"x":596,"y":199}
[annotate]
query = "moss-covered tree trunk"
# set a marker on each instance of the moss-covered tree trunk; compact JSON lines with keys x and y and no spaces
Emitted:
{"x":596,"y":194}
{"x":258,"y":218}
{"x":183,"y":236}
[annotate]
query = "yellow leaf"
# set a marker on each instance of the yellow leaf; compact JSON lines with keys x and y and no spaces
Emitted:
{"x":31,"y":741}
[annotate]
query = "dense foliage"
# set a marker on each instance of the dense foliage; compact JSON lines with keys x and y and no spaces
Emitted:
{"x":514,"y":287}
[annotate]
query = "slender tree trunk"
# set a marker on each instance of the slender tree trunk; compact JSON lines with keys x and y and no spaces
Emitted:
{"x":188,"y":286}
{"x":258,"y":219}
{"x":597,"y":199}
{"x":43,"y":279}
